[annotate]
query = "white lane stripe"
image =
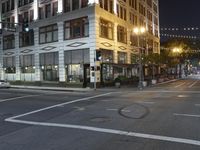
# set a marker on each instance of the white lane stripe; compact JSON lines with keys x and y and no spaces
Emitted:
{"x":110,"y":109}
{"x":111,"y":131}
{"x":190,"y":86}
{"x":59,"y":105}
{"x":14,"y":98}
{"x":187,"y":115}
{"x":180,"y":85}
{"x":146,"y":102}
{"x":123,"y":110}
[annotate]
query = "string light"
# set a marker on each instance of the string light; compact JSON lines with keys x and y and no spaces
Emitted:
{"x":191,"y":51}
{"x":178,"y":36}
{"x":179,"y":29}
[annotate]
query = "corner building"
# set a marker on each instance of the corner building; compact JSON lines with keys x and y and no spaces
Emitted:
{"x":66,"y":36}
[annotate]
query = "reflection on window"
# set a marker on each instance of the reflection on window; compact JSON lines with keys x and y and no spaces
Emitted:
{"x":106,"y":29}
{"x":48,"y":34}
{"x":77,"y":28}
{"x":9,"y":64}
{"x":9,"y":42}
{"x":74,"y":62}
{"x":26,"y":38}
{"x":74,"y":73}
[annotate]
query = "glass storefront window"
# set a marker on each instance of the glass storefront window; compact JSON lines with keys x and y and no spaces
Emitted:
{"x":75,"y":62}
{"x":49,"y":66}
{"x":74,"y":73}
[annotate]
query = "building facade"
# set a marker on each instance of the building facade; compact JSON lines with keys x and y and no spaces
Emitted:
{"x":67,"y":39}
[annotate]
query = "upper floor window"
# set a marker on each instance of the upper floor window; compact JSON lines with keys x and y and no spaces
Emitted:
{"x":76,"y":28}
{"x":9,"y":42}
{"x":149,"y":2}
{"x":142,"y":10}
{"x":26,"y":38}
{"x":8,"y":6}
{"x":55,"y":8}
{"x":133,"y":18}
{"x":48,"y":34}
{"x":155,"y":8}
{"x":121,"y":34}
{"x":133,"y":4}
{"x":69,"y":5}
{"x":106,"y":29}
{"x":26,"y":16}
{"x":24,"y":2}
{"x":48,"y":10}
{"x":107,"y":5}
{"x":121,"y":12}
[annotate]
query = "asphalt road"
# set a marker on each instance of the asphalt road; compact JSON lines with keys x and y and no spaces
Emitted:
{"x":163,"y":117}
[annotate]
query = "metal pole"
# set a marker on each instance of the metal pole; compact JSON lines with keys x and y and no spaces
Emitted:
{"x":140,"y":65}
{"x":95,"y":84}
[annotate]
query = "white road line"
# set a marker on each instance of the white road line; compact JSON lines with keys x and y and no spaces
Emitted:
{"x":59,"y":105}
{"x":180,"y":85}
{"x":169,"y":91}
{"x":197,"y":105}
{"x":187,"y":115}
{"x":190,"y":86}
{"x":111,"y":131}
{"x":110,"y":109}
{"x":123,"y":110}
{"x":146,"y":102}
{"x":14,"y":98}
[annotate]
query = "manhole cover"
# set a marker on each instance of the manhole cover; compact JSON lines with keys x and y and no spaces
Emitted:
{"x":100,"y":119}
{"x":135,"y":111}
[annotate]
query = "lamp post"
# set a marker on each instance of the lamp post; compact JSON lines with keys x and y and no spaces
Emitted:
{"x":178,"y":51}
{"x":139,"y":31}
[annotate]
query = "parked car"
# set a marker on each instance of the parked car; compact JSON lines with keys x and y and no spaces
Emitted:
{"x":4,"y":84}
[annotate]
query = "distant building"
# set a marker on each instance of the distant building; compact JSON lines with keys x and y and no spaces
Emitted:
{"x":65,"y":36}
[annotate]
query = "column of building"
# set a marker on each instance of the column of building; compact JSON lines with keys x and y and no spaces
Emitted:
{"x":61,"y":52}
{"x":17,"y":55}
{"x":93,"y":23}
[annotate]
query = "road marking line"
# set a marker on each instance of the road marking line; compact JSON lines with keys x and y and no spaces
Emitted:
{"x":14,"y":98}
{"x":197,"y":105}
{"x":187,"y":115}
{"x":110,"y":109}
{"x":111,"y":131}
{"x":146,"y":102}
{"x":180,"y":85}
{"x":59,"y":105}
{"x":123,"y":110}
{"x":193,"y":84}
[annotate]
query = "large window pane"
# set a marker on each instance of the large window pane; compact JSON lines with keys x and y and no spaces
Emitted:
{"x":76,"y":28}
{"x":49,"y":34}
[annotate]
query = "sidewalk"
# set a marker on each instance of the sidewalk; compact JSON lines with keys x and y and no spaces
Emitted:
{"x":110,"y":89}
{"x":52,"y":88}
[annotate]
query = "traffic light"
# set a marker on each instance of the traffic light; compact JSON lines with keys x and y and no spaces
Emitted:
{"x":98,"y":55}
{"x":25,"y":27}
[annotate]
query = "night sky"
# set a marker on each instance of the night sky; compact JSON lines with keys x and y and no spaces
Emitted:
{"x":179,"y":13}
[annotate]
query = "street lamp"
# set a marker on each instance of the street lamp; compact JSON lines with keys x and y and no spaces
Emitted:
{"x":139,"y":31}
{"x":178,"y":51}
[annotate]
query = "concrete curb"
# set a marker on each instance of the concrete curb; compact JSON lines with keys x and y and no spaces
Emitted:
{"x":165,"y":82}
{"x":52,"y":88}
